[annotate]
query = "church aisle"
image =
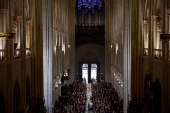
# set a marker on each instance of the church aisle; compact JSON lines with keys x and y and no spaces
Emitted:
{"x":88,"y":98}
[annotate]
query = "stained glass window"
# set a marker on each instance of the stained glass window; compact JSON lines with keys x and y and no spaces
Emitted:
{"x":89,"y":5}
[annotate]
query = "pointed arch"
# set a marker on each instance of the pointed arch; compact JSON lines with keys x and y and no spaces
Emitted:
{"x":89,"y":56}
{"x":2,"y":102}
{"x":156,"y":92}
{"x":28,"y":97}
{"x":16,"y":97}
{"x":147,"y":92}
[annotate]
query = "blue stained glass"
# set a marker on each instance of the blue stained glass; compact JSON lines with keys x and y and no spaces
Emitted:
{"x":94,"y":1}
{"x":89,"y":1}
{"x":92,"y":10}
{"x":79,"y":1}
{"x":89,"y":5}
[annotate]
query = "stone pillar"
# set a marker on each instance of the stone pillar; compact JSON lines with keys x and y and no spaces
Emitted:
{"x":27,"y":31}
{"x":47,"y":30}
{"x":155,"y":40}
{"x":71,"y":34}
{"x":107,"y":42}
{"x":169,"y":32}
{"x":2,"y":30}
{"x":127,"y":55}
{"x":23,"y":36}
{"x":145,"y":34}
{"x":168,"y":84}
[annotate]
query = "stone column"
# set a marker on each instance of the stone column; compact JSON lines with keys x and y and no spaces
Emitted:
{"x":127,"y":55}
{"x":107,"y":43}
{"x":155,"y":40}
{"x":17,"y":27}
{"x":27,"y":36}
{"x":47,"y":31}
{"x":169,"y":32}
{"x":23,"y":36}
{"x":2,"y":30}
{"x":71,"y":34}
{"x":145,"y":36}
{"x":168,"y":83}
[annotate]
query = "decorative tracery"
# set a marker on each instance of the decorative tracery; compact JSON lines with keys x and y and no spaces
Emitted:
{"x":89,"y":5}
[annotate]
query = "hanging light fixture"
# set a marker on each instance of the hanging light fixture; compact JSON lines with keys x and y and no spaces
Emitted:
{"x":7,"y":36}
{"x":89,"y":5}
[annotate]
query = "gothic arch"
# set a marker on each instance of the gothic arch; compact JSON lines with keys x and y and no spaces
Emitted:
{"x":28,"y":91}
{"x":89,"y":56}
{"x":16,"y":97}
{"x":147,"y":92}
{"x":2,"y":102}
{"x":156,"y":93}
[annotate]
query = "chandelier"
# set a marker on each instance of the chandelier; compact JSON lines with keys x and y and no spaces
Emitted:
{"x":89,"y":5}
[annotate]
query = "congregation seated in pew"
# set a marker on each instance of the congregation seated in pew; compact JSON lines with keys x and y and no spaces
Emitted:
{"x":104,"y":99}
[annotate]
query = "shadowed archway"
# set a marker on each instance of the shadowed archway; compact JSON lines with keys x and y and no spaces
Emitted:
{"x":16,"y":97}
{"x":156,"y":92}
{"x":28,"y":98}
{"x":2,"y":102}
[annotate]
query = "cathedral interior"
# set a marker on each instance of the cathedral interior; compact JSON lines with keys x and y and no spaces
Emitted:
{"x":116,"y":49}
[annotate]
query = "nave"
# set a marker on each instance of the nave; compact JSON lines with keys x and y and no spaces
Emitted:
{"x":80,"y":97}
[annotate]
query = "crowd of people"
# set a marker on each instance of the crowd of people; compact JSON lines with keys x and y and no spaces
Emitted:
{"x":105,"y":99}
{"x":73,"y":99}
